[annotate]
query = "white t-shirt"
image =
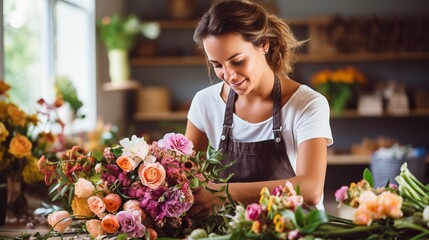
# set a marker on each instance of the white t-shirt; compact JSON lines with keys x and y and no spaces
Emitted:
{"x":304,"y":116}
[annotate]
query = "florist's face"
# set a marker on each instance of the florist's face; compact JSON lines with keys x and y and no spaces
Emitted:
{"x":237,"y":62}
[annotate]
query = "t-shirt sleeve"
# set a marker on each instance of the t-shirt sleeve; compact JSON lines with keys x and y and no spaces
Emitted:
{"x":314,"y":122}
{"x":195,"y":112}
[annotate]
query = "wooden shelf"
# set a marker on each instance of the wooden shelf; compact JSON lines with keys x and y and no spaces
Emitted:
{"x":350,"y":159}
{"x":168,"y":61}
{"x":355,"y":114}
{"x":127,"y":85}
{"x":301,"y":58}
{"x":182,"y":115}
{"x":161,"y":116}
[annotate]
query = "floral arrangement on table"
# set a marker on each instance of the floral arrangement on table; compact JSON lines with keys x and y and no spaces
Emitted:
{"x":132,"y":189}
{"x":340,"y":86}
{"x":390,"y":212}
{"x":23,"y":139}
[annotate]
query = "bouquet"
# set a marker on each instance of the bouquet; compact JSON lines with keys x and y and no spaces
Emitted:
{"x":340,"y":86}
{"x":390,"y":212}
{"x":23,"y":139}
{"x":134,"y":189}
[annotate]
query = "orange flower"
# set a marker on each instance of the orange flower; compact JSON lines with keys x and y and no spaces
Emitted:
{"x":256,"y":226}
{"x":3,"y":132}
{"x":391,"y":204}
{"x":20,"y":146}
{"x":17,"y":116}
{"x":3,"y":87}
{"x":152,"y":175}
{"x":126,"y":163}
{"x":112,"y":201}
{"x":152,"y":233}
{"x":110,"y":223}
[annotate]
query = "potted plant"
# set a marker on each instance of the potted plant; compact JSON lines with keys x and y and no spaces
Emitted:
{"x":118,"y":34}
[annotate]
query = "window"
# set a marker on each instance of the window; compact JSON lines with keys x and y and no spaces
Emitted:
{"x":47,"y":39}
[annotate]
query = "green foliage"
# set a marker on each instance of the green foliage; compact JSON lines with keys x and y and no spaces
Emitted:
{"x":119,"y":32}
{"x":67,"y":91}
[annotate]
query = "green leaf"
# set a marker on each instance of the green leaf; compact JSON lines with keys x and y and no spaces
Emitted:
{"x":64,"y":190}
{"x":314,"y":219}
{"x":71,"y":195}
{"x":367,"y":175}
{"x":58,"y":185}
{"x":300,"y":217}
{"x":122,"y":236}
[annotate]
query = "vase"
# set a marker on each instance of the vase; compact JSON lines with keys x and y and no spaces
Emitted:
{"x":119,"y":67}
{"x":17,"y":205}
{"x":3,"y":198}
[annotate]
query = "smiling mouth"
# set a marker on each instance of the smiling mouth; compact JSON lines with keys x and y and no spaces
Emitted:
{"x":237,"y":84}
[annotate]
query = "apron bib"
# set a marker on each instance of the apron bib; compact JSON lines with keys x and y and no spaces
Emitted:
{"x":255,"y":161}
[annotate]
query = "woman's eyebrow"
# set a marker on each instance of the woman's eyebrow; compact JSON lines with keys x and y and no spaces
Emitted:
{"x":233,"y":56}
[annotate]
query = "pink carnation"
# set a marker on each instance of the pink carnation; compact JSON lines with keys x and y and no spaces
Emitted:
{"x":341,"y":194}
{"x":176,"y":142}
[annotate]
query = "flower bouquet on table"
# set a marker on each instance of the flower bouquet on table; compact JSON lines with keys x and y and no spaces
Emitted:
{"x":23,"y":139}
{"x":133,"y":189}
{"x":390,"y":212}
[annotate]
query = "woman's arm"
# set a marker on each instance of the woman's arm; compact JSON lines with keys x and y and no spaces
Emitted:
{"x":310,"y":176}
{"x":198,"y":138}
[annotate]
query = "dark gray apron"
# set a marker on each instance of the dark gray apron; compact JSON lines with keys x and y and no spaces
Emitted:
{"x":255,"y":161}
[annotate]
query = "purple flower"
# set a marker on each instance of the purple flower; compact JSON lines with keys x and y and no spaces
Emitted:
{"x":277,"y":191}
{"x":175,"y":205}
{"x":253,"y":211}
{"x":341,"y":194}
{"x":176,"y":142}
{"x":131,"y":223}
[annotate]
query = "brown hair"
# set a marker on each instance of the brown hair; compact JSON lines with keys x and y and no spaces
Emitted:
{"x":255,"y":25}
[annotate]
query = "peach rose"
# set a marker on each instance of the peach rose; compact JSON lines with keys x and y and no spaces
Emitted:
{"x":110,"y":223}
{"x":20,"y":146}
{"x":94,"y":228}
{"x":96,"y":205}
{"x":80,"y":207}
{"x":126,"y":163}
{"x":391,"y":204}
{"x":83,"y":188}
{"x":152,"y":175}
{"x":112,"y":201}
{"x":59,"y":220}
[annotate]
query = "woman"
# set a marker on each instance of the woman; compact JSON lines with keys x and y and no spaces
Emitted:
{"x":274,"y":128}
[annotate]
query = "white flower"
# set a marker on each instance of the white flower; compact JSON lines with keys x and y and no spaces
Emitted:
{"x":135,"y":148}
{"x":149,"y":160}
{"x":426,"y":214}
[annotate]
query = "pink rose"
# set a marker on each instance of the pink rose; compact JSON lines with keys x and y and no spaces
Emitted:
{"x":112,"y":201}
{"x":83,"y":188}
{"x":94,"y":228}
{"x":176,"y":142}
{"x":59,"y":220}
{"x":96,"y":205}
{"x":253,"y":211}
{"x":341,"y":194}
{"x":110,"y":223}
{"x":152,"y":175}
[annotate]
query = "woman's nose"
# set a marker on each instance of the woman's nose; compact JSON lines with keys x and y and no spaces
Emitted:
{"x":229,"y":74}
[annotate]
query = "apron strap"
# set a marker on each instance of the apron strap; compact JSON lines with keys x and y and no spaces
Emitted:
{"x":228,"y":123}
{"x":277,"y":101}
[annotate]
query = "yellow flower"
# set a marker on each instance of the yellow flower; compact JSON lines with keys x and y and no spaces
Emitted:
{"x":3,"y":132}
{"x":80,"y":207}
{"x":30,"y":173}
{"x":17,"y":116}
{"x":20,"y":146}
{"x":256,"y":227}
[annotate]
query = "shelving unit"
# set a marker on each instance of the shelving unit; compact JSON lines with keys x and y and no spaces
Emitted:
{"x":181,"y":115}
{"x":350,"y":159}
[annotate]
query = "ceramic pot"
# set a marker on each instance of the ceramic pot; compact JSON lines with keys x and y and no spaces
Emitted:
{"x":119,"y":67}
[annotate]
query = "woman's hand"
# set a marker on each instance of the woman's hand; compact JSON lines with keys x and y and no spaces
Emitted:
{"x":205,"y":201}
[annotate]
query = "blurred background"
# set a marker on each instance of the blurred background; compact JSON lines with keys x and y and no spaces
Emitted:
{"x":376,"y":52}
